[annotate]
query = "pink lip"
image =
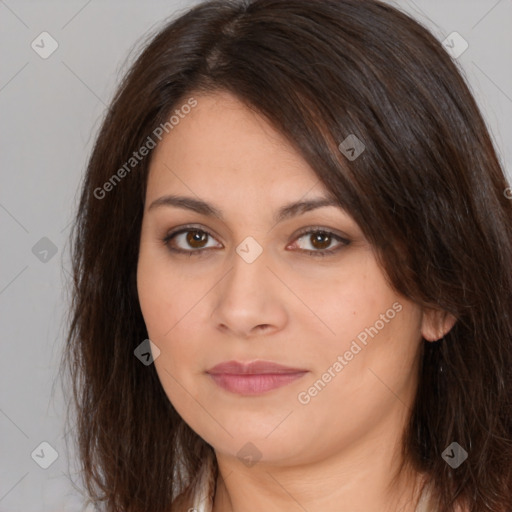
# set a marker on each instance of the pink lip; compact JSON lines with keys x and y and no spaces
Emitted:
{"x":253,"y":378}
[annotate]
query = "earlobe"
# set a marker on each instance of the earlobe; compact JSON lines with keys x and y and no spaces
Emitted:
{"x":435,"y":324}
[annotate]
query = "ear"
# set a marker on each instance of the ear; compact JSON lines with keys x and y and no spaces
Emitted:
{"x":435,"y":324}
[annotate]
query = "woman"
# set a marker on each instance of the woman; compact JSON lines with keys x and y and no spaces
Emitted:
{"x":299,"y":204}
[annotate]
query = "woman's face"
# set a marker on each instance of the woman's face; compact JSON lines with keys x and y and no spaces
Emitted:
{"x":248,"y":283}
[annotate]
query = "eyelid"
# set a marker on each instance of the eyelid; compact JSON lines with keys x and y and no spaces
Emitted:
{"x":313,"y":229}
{"x":183,"y":229}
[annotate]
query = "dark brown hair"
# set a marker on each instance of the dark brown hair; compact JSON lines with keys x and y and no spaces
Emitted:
{"x":428,"y":192}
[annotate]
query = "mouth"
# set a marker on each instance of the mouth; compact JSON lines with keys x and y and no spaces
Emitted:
{"x":253,"y":378}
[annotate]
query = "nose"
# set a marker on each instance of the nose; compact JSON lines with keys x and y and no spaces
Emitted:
{"x":250,"y":300}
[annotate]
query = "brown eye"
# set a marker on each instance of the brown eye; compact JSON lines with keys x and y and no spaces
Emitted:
{"x":190,"y":240}
{"x":319,"y":242}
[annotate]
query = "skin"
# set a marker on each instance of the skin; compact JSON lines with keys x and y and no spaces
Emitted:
{"x":340,"y":450}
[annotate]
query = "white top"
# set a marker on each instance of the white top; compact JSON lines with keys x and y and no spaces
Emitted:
{"x":205,"y":489}
{"x":203,"y":497}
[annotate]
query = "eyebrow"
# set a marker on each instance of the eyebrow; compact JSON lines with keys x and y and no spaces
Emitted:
{"x":204,"y":208}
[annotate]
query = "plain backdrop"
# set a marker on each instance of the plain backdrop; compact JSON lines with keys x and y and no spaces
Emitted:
{"x":51,"y":109}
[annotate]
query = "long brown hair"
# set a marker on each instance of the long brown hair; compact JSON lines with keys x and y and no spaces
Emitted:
{"x":428,"y":191}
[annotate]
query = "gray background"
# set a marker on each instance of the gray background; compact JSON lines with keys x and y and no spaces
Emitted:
{"x":50,"y":112}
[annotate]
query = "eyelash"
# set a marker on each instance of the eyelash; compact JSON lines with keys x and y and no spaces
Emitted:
{"x":307,"y":231}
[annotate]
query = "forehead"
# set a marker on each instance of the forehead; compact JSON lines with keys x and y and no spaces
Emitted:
{"x":223,"y":144}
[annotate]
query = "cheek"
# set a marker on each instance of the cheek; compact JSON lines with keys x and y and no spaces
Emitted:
{"x":169,"y":302}
{"x":166,"y":315}
{"x":166,"y":295}
{"x":347,"y":301}
{"x":369,"y":325}
{"x":375,"y":358}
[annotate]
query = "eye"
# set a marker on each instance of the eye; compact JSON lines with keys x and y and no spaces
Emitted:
{"x":190,"y":240}
{"x":320,"y":240}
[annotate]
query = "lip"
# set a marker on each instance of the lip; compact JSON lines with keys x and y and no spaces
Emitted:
{"x":258,"y":367}
{"x":253,"y":378}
